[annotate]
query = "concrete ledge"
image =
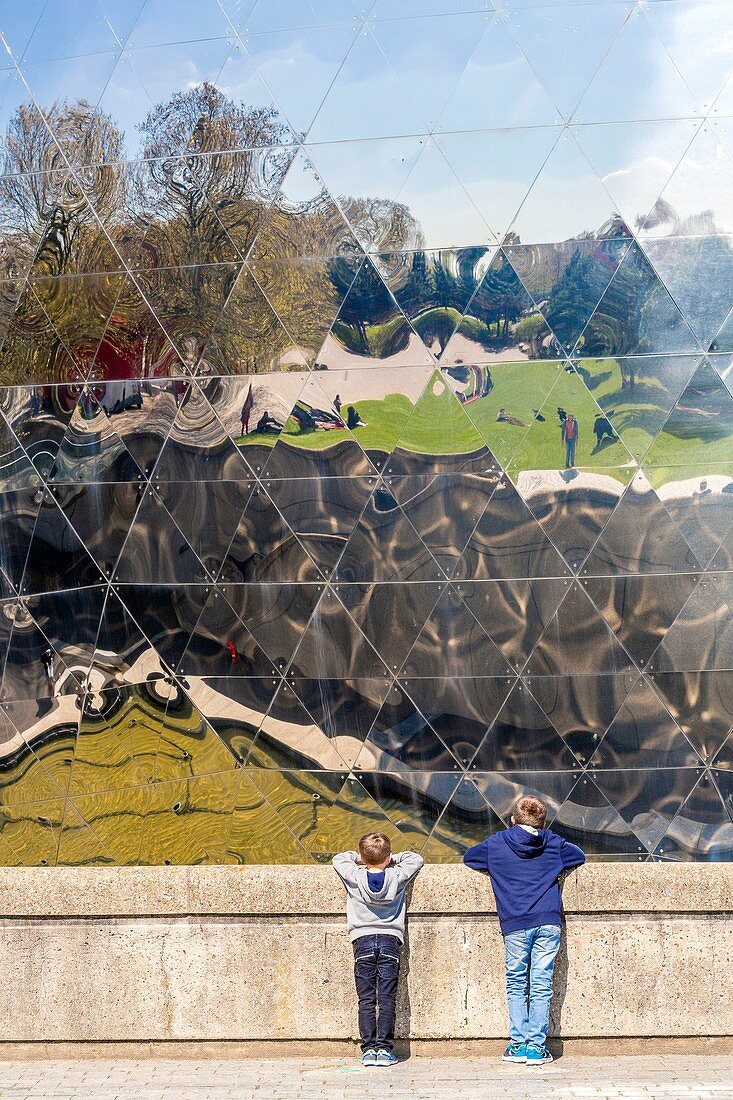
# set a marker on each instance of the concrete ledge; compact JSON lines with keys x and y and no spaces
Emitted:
{"x":212,"y":955}
{"x":315,"y":891}
{"x":349,"y":1049}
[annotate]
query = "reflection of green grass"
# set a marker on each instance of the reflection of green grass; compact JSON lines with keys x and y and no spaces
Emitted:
{"x":638,"y":413}
{"x":436,"y":425}
{"x":530,"y":387}
{"x":644,"y":416}
{"x":200,"y":809}
{"x":519,"y":388}
{"x":384,"y":421}
{"x":259,"y":439}
{"x":543,"y":448}
{"x":440,"y":425}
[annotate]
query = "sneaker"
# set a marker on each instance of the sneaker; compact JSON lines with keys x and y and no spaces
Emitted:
{"x":369,"y":1058}
{"x":386,"y":1058}
{"x":515,"y":1052}
{"x":538,"y":1056}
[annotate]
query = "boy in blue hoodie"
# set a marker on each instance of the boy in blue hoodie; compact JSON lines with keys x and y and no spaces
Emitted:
{"x":524,"y":864}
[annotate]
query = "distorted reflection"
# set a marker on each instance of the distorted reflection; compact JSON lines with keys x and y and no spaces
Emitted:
{"x":366,"y":429}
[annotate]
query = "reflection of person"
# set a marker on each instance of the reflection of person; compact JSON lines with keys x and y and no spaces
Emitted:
{"x":602,"y":428}
{"x":267,"y":423}
{"x":703,"y":490}
{"x":524,"y":864}
{"x":47,"y":661}
{"x":503,"y":417}
{"x":304,"y":419}
{"x":375,"y":882}
{"x":569,"y":438}
{"x":353,"y":420}
{"x":337,"y":403}
{"x":247,"y":411}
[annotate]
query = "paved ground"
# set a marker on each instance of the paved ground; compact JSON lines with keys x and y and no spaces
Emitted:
{"x":677,"y":1077}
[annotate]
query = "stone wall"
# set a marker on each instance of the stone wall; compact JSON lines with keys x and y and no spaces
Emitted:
{"x":261,"y":953}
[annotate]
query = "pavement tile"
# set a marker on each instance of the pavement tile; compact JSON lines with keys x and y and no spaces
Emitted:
{"x":675,"y":1077}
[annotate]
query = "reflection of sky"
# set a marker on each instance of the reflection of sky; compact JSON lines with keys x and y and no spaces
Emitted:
{"x":523,"y":72}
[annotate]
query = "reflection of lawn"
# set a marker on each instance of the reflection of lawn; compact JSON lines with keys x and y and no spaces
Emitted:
{"x":384,"y":421}
{"x":436,"y":425}
{"x":439,"y":424}
{"x":201,"y":809}
{"x":638,"y":413}
{"x":645,"y":417}
{"x":525,"y":389}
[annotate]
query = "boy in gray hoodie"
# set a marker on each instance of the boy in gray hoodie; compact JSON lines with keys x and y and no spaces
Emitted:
{"x":375,"y":882}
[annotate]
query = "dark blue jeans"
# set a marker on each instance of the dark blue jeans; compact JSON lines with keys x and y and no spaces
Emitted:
{"x":376,"y":969}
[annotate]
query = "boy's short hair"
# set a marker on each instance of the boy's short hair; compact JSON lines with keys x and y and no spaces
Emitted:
{"x":374,"y":848}
{"x":529,"y":810}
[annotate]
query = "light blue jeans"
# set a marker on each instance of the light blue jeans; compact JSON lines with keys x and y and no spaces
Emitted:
{"x":530,"y":961}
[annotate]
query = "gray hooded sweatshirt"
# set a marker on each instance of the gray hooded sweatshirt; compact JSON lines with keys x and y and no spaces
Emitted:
{"x":381,"y":912}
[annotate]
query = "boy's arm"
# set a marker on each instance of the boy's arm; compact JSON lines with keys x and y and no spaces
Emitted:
{"x":571,"y":855}
{"x":477,"y":858}
{"x":344,"y":864}
{"x":407,"y":865}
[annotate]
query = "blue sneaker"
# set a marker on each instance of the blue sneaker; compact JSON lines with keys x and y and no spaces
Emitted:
{"x":538,"y":1056}
{"x":515,"y":1052}
{"x":369,"y":1058}
{"x":386,"y":1058}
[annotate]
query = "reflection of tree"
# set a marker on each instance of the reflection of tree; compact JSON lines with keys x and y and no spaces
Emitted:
{"x":49,"y":227}
{"x":574,"y":298}
{"x":206,"y":197}
{"x":500,"y":298}
{"x":387,"y":225}
{"x":366,"y":299}
{"x":205,"y":183}
{"x":199,"y":199}
{"x":434,"y":289}
{"x":52,"y":227}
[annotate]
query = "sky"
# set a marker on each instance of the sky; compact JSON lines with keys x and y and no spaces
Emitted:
{"x":540,"y":118}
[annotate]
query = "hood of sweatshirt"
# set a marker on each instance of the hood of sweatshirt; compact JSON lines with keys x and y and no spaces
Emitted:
{"x":386,"y":895}
{"x":524,"y":844}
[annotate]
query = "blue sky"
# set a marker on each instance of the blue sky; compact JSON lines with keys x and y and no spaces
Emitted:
{"x":448,"y":105}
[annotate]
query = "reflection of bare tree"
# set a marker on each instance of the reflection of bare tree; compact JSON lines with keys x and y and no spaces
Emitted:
{"x":387,"y":225}
{"x":52,"y":227}
{"x":206,"y":181}
{"x":49,"y":226}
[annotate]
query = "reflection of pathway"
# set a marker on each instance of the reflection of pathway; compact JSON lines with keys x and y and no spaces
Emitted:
{"x":337,"y":357}
{"x":689,"y":488}
{"x":532,"y":483}
{"x":471,"y":352}
{"x":364,"y":384}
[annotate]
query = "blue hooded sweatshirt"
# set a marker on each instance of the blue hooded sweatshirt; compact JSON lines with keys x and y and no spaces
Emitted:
{"x":524,"y":868}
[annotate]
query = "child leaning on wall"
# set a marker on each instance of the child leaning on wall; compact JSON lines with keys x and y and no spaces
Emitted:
{"x":376,"y":882}
{"x":524,"y":864}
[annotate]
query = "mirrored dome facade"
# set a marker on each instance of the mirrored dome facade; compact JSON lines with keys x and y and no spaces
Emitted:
{"x":366,"y":427}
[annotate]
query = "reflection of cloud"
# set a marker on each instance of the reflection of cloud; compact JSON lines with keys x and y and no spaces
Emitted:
{"x":636,"y":169}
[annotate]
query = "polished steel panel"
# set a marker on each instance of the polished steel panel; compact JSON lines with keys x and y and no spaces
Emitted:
{"x":366,"y":427}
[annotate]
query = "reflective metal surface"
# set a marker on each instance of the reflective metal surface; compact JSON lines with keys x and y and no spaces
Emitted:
{"x":366,"y":427}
